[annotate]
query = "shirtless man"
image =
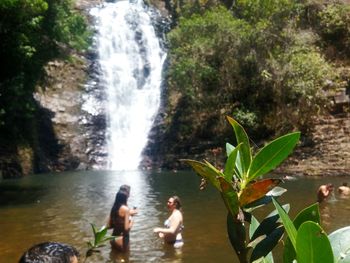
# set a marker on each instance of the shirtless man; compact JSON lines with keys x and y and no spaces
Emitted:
{"x":344,"y":189}
{"x":324,"y":191}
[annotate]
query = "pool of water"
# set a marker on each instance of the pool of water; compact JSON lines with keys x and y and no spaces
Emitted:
{"x":60,"y":207}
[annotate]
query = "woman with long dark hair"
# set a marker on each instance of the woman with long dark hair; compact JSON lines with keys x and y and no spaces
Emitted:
{"x":121,"y":221}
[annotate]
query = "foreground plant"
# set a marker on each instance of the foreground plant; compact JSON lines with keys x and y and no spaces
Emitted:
{"x":243,"y":190}
{"x":100,"y":238}
{"x":308,"y":243}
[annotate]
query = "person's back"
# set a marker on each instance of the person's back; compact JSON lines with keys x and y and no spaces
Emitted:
{"x":118,"y":224}
{"x":344,"y":189}
{"x":50,"y":252}
{"x":120,"y":221}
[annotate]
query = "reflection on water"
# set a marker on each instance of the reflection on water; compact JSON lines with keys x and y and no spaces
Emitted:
{"x":17,"y":194}
{"x":59,"y":207}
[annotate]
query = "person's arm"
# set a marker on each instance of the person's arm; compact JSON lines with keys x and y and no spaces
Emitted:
{"x":133,"y":211}
{"x":175,"y":223}
{"x":128,"y":222}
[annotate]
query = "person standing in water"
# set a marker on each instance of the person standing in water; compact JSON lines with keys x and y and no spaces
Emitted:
{"x":344,"y":189}
{"x":121,"y":221}
{"x":324,"y":192}
{"x":173,"y":226}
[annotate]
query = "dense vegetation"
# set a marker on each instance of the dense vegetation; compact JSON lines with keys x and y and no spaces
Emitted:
{"x":270,"y":64}
{"x":32,"y":32}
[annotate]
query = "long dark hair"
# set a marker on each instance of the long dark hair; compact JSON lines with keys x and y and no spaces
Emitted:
{"x":121,"y":198}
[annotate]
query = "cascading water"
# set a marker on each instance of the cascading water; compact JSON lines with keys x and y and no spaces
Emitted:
{"x":131,"y":62}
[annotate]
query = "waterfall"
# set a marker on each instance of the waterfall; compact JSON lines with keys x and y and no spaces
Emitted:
{"x":131,"y":61}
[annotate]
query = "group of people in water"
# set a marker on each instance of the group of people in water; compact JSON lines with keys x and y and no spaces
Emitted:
{"x":325,"y":191}
{"x":121,"y":221}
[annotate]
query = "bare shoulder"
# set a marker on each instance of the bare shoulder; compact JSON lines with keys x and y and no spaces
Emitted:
{"x":123,"y":210}
{"x":178,"y":214}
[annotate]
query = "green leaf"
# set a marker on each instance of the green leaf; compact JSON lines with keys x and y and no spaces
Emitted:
{"x":94,"y":230}
{"x":270,"y":156}
{"x":205,"y":171}
{"x":230,"y":167}
{"x":100,"y":235}
{"x":238,"y":165}
{"x":245,"y":155}
{"x":340,"y":242}
{"x":229,"y":196}
{"x":268,"y":258}
{"x":254,"y":224}
{"x":310,"y":213}
{"x":264,"y":247}
{"x":237,"y":235}
{"x":269,"y":224}
{"x":312,"y":244}
{"x":288,"y":224}
{"x":229,"y":149}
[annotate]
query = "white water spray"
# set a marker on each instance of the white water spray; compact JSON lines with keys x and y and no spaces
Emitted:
{"x":131,"y":61}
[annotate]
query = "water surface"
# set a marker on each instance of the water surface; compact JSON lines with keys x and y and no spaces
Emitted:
{"x":59,"y":207}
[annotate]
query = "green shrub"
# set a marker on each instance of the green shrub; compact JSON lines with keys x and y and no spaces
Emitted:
{"x":335,"y":21}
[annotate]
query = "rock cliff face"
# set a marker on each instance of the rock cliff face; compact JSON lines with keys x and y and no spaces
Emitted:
{"x":328,"y":153}
{"x":77,"y":135}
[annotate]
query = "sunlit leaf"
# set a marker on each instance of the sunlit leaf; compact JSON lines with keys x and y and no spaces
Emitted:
{"x":254,"y":224}
{"x":256,"y":190}
{"x":340,"y":242}
{"x":238,"y":165}
{"x":245,"y":154}
{"x":229,"y":149}
{"x":312,"y":244}
{"x":288,"y":224}
{"x":230,"y":167}
{"x":94,"y":230}
{"x":270,"y":156}
{"x":310,"y":213}
{"x":100,"y":235}
{"x":205,"y":171}
{"x":267,"y":259}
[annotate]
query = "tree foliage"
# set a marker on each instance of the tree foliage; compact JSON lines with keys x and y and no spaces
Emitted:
{"x":335,"y":26}
{"x":256,"y":58}
{"x":31,"y":33}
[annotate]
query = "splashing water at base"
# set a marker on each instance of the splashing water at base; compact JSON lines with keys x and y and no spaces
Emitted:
{"x":131,"y":61}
